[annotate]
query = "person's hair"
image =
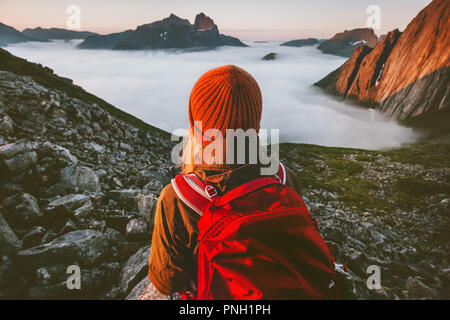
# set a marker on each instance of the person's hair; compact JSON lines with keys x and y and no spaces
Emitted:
{"x":193,"y":157}
{"x":191,"y":151}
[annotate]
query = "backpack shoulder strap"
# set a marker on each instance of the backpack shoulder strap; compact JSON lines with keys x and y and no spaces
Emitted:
{"x":197,"y":194}
{"x":194,"y":192}
{"x":246,"y":188}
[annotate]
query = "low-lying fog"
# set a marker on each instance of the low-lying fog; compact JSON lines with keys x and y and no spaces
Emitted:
{"x":155,"y":86}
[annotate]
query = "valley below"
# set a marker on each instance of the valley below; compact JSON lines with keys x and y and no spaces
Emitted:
{"x":155,"y":85}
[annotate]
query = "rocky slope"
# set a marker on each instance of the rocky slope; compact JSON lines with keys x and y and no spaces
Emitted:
{"x":301,"y":42}
{"x":406,"y":74}
{"x":79,"y":180}
{"x":78,"y":184}
{"x":10,"y":35}
{"x":56,"y":33}
{"x":169,"y":33}
{"x":344,"y":43}
{"x":385,"y":208}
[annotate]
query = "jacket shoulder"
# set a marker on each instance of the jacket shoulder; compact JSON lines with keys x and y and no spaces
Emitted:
{"x":168,"y":192}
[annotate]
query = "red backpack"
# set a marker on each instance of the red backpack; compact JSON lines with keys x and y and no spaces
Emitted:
{"x":258,"y":241}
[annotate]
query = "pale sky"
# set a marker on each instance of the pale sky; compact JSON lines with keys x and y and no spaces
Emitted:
{"x":247,"y":19}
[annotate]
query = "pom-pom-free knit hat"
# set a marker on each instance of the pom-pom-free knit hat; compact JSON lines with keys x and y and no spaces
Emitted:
{"x":225,"y":97}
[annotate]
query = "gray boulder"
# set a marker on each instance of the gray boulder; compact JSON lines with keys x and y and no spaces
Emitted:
{"x":51,"y":274}
{"x":84,"y":247}
{"x":145,"y":290}
{"x":80,"y":178}
{"x":6,"y":124}
{"x":8,"y":239}
{"x":126,"y":198}
{"x":21,"y":162}
{"x":137,"y":229}
{"x":58,"y":152}
{"x":147,"y":206}
{"x":34,"y":236}
{"x":92,"y":281}
{"x":69,"y":205}
{"x":8,"y":271}
{"x":134,"y":269}
{"x":21,"y":210}
{"x":53,"y":291}
{"x":417,"y":289}
{"x":9,"y":150}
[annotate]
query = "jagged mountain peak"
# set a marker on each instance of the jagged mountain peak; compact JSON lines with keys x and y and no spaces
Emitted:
{"x":406,"y":74}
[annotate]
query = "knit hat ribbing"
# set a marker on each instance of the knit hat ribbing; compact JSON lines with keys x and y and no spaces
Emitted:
{"x":226,"y":97}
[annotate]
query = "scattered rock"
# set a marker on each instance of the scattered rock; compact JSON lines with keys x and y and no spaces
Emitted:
{"x":137,"y":229}
{"x":92,"y":281}
{"x":21,"y":210}
{"x":6,"y":124}
{"x":82,"y":246}
{"x":34,"y":236}
{"x":51,"y":274}
{"x":8,"y":151}
{"x":134,"y":270}
{"x":145,"y":290}
{"x":417,"y":289}
{"x":147,"y":206}
{"x":21,"y":162}
{"x":69,"y":205}
{"x":8,"y":239}
{"x":80,"y":178}
{"x":56,"y":155}
{"x":8,"y":271}
{"x":68,"y":227}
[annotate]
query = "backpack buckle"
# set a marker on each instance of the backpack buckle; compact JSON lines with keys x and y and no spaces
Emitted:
{"x":211,"y":191}
{"x":339,"y":267}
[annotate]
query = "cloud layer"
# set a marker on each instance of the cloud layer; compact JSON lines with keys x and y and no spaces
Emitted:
{"x":155,"y":86}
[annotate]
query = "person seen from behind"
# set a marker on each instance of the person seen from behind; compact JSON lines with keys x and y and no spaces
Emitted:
{"x":224,"y":230}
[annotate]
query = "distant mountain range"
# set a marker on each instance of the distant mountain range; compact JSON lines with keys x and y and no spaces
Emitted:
{"x":108,"y":41}
{"x":56,"y":34}
{"x":170,"y":33}
{"x":10,"y":35}
{"x":406,"y":75}
{"x":301,"y":42}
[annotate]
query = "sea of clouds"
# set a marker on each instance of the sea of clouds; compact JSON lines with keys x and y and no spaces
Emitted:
{"x":155,"y":86}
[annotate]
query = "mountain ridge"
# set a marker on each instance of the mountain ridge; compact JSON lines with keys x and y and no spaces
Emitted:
{"x":406,"y":74}
{"x":9,"y":35}
{"x":56,"y":33}
{"x":344,"y":43}
{"x":172,"y":32}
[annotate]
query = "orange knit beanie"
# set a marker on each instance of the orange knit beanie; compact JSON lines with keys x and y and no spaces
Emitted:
{"x":225,"y":97}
